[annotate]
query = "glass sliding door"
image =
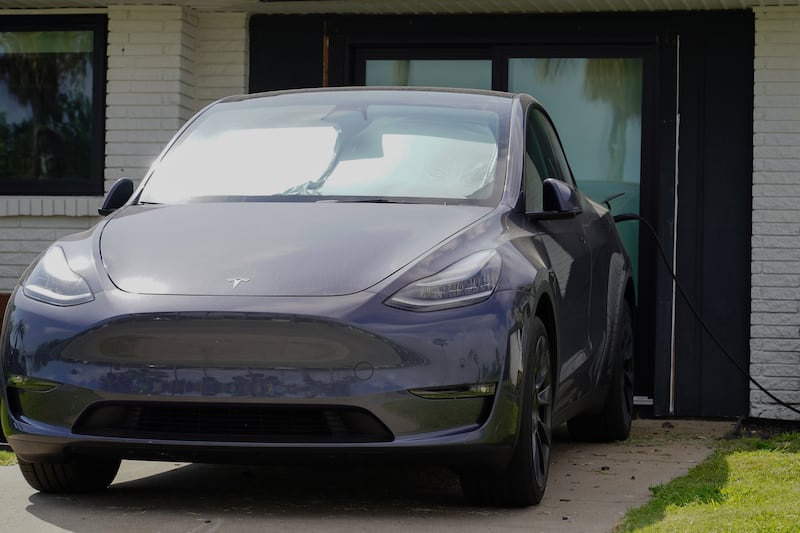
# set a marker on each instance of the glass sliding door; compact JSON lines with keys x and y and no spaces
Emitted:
{"x":596,"y":104}
{"x":466,"y":73}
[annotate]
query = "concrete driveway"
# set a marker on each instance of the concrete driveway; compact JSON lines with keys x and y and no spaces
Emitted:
{"x":590,"y":488}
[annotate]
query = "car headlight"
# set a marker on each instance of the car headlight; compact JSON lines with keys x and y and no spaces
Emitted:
{"x":52,"y":281}
{"x":468,"y":281}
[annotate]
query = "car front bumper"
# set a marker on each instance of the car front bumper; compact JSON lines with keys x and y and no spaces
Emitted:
{"x":262,"y":378}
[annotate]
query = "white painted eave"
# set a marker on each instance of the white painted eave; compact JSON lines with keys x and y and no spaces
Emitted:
{"x":390,"y":7}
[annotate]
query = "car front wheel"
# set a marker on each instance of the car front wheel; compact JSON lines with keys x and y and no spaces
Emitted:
{"x":523,"y":481}
{"x":82,"y":474}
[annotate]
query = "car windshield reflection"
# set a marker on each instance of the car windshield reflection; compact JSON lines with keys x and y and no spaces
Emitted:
{"x":378,"y":153}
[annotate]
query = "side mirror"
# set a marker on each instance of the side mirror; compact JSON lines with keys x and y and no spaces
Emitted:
{"x":119,"y":194}
{"x":559,"y":200}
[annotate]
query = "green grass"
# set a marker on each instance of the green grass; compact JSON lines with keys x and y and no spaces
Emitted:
{"x":7,"y":458}
{"x":746,"y":485}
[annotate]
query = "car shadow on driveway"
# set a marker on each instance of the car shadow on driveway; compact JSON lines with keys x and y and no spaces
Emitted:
{"x":314,"y":488}
{"x":200,"y":497}
{"x":591,"y":485}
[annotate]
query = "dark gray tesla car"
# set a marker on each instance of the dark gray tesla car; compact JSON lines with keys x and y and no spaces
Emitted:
{"x":330,"y":274}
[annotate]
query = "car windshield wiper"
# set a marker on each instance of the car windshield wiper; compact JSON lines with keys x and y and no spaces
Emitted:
{"x":390,"y":200}
{"x":361,"y":200}
{"x":376,"y":200}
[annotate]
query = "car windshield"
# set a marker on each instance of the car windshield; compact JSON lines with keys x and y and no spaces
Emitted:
{"x":373,"y":145}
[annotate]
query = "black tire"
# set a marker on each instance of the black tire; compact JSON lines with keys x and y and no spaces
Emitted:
{"x":522,"y":483}
{"x":77,"y":475}
{"x":613,"y":422}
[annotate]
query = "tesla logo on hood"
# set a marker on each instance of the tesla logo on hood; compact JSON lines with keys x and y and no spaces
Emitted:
{"x":237,"y":281}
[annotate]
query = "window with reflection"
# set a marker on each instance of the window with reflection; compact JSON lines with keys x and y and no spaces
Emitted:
{"x":51,"y":74}
{"x":471,"y":73}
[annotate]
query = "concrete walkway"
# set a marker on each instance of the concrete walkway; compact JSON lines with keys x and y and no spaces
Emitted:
{"x":592,"y":485}
{"x":590,"y":488}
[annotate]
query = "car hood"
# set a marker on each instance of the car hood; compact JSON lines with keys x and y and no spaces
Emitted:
{"x":271,"y":249}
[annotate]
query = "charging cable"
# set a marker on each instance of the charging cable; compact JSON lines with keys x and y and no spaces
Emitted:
{"x":632,"y":216}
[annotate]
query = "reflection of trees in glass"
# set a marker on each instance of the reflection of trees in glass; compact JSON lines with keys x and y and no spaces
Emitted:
{"x":614,"y":80}
{"x":401,"y":70}
{"x":47,"y":73}
{"x":15,"y":142}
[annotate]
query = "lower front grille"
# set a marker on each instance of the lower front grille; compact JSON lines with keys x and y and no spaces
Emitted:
{"x":232,"y":423}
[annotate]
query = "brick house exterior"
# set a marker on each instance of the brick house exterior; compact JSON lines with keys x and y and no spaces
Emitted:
{"x":775,"y":318}
{"x":166,"y":61}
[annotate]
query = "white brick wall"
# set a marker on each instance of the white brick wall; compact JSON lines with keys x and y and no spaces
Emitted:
{"x":150,"y":91}
{"x":222,"y":56}
{"x":164,"y":63}
{"x":775,"y":313}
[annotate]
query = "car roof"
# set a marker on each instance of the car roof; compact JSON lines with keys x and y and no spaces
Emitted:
{"x":410,"y":92}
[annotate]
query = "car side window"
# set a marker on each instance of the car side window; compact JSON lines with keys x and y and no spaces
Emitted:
{"x":533,"y":162}
{"x":554,"y":158}
{"x":544,"y":158}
